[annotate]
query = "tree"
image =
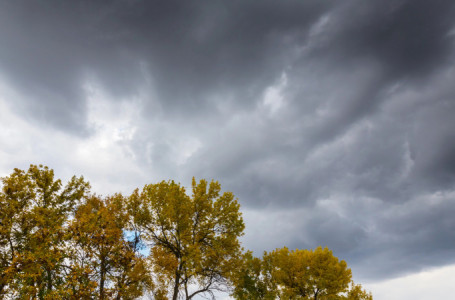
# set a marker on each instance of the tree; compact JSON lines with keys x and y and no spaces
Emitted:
{"x":327,"y":275}
{"x":35,"y":211}
{"x":253,"y":280}
{"x":356,"y":292}
{"x":298,"y":274}
{"x":65,"y":243}
{"x":104,"y":264}
{"x":193,"y":239}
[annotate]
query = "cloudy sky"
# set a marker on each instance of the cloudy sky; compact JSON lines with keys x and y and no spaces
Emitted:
{"x":331,"y":121}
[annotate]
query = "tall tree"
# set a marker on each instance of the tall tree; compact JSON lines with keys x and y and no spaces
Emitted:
{"x":104,"y":264}
{"x":193,"y":239}
{"x":35,"y":210}
{"x":64,"y":243}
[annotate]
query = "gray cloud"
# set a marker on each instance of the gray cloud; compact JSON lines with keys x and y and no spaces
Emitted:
{"x":331,"y":121}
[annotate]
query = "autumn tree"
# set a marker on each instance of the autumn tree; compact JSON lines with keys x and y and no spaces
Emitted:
{"x":103,"y":263}
{"x":193,"y":239}
{"x":297,"y":274}
{"x":62,"y":242}
{"x":356,"y":292}
{"x":328,"y":276}
{"x":34,"y":214}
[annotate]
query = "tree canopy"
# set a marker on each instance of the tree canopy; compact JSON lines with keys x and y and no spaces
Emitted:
{"x":35,"y":211}
{"x":193,"y":239}
{"x":65,"y":242}
{"x":296,"y":274}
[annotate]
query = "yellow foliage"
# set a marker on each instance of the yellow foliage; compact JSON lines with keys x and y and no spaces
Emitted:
{"x":296,"y":274}
{"x":193,"y":239}
{"x":62,"y":242}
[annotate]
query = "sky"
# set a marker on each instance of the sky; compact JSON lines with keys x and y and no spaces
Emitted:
{"x":331,"y":121}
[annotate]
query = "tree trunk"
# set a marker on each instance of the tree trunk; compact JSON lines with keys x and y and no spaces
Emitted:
{"x":102,"y":278}
{"x":39,"y":285}
{"x":186,"y":290}
{"x":176,"y":285}
{"x":49,"y":280}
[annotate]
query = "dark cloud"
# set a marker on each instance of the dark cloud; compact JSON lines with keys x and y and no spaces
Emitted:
{"x":414,"y":236}
{"x":191,"y":52}
{"x":408,"y":38}
{"x":332,"y":121}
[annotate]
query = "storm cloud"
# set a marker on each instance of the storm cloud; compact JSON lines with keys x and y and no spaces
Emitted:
{"x":331,"y":121}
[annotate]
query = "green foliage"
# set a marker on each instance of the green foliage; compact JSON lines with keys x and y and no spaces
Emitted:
{"x":253,"y":279}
